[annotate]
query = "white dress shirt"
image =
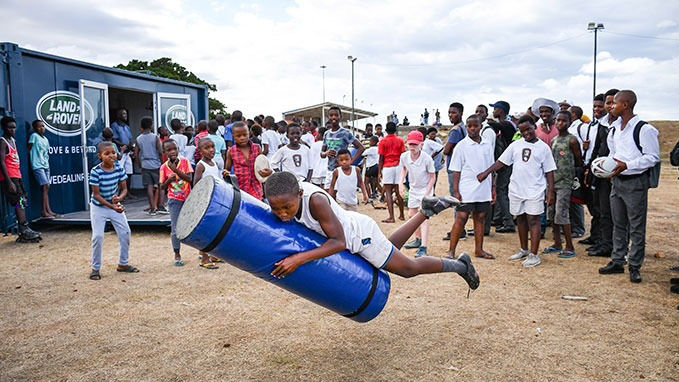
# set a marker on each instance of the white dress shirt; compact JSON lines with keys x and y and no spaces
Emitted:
{"x":623,"y":148}
{"x":588,"y":132}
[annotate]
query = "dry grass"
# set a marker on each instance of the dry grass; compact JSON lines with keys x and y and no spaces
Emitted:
{"x":181,"y":324}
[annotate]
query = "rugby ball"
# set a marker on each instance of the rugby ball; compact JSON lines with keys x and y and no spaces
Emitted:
{"x":261,"y":162}
{"x":602,"y":167}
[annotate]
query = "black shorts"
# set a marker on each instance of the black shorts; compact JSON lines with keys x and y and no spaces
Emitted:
{"x":474,"y":207}
{"x":18,"y":198}
{"x":371,"y":172}
{"x":150,"y":177}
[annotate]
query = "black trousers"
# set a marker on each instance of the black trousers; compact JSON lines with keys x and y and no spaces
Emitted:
{"x":602,"y":195}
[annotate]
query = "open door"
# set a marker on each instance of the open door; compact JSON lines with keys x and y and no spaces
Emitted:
{"x":170,"y":106}
{"x":93,"y":119}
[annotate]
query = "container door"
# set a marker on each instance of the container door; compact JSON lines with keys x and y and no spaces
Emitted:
{"x":93,"y":119}
{"x":173,"y":105}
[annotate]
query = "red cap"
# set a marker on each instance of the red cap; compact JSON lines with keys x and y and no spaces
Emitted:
{"x":415,"y":137}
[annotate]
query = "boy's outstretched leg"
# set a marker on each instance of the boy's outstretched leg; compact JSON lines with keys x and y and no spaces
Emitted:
{"x":430,"y":207}
{"x":405,"y":266}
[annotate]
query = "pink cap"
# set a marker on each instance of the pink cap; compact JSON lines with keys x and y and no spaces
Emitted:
{"x":415,"y":137}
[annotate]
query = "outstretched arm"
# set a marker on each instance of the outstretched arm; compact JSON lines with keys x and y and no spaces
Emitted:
{"x":498,"y":165}
{"x":319,"y":206}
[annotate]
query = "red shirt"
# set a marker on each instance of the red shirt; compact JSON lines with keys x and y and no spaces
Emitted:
{"x":544,"y":135}
{"x":11,"y":161}
{"x":179,"y":189}
{"x":391,"y":148}
{"x":245,"y":170}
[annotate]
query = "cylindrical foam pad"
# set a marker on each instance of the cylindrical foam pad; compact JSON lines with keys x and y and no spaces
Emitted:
{"x":241,"y":230}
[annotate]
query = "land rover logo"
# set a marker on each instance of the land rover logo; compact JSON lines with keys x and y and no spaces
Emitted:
{"x":60,"y":111}
{"x":179,"y":112}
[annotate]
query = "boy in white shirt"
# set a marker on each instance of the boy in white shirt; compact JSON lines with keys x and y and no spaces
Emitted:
{"x":294,"y":157}
{"x":372,"y":157}
{"x":472,"y":155}
{"x":419,"y":167}
{"x":178,"y":136}
{"x":270,"y":138}
{"x":319,"y":165}
{"x":533,"y":171}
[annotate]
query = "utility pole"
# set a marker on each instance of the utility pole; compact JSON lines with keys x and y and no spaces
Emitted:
{"x":594,"y":27}
{"x":323,"y":107}
{"x":353,"y":126}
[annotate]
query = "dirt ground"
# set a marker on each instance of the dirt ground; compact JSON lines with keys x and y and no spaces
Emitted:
{"x":172,"y":323}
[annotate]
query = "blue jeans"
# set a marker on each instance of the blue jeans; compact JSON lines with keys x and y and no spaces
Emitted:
{"x":98,"y":217}
{"x":174,"y":206}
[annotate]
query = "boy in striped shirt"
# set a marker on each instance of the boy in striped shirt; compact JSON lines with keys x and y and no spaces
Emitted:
{"x":107,"y":180}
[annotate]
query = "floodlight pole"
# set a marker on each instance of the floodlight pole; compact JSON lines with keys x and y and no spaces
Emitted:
{"x":323,"y":106}
{"x":353,"y":126}
{"x":594,"y":27}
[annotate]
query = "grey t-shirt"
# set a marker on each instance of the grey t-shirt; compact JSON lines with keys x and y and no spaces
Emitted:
{"x":148,"y":153}
{"x":337,"y":140}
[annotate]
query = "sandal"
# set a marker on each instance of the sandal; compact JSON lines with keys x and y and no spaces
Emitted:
{"x":95,"y":275}
{"x":178,"y":262}
{"x":551,"y":249}
{"x":208,"y":266}
{"x":214,"y":259}
{"x":485,"y":255}
{"x":389,"y":221}
{"x":127,"y":269}
{"x":567,"y":254}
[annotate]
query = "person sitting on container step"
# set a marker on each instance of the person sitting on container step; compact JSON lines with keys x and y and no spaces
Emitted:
{"x":292,"y":201}
{"x":419,"y":167}
{"x":39,"y":147}
{"x":180,"y":139}
{"x":10,"y":178}
{"x":148,"y":153}
{"x":567,"y":156}
{"x":207,"y":167}
{"x":294,"y":157}
{"x":242,"y":156}
{"x":107,"y":180}
{"x":345,"y":179}
{"x":175,"y":176}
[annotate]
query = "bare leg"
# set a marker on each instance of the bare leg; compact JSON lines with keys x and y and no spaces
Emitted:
{"x":458,"y":225}
{"x":535,"y":232}
{"x":418,"y":231}
{"x":21,"y":215}
{"x":405,"y":266}
{"x":556,"y":232}
{"x":151,"y":197}
{"x":390,"y":204}
{"x":569,"y":237}
{"x":522,"y":225}
{"x":479,"y":225}
{"x":399,"y":201}
{"x":403,"y":233}
{"x":45,"y":200}
{"x":424,"y":235}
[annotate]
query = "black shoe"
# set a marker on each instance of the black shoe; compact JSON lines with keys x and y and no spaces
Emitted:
{"x":471,"y":277}
{"x":674,"y":280}
{"x":675,"y":289}
{"x":496,"y":224}
{"x":634,"y":275}
{"x":600,"y":253}
{"x":471,"y":233}
{"x":447,"y":237}
{"x":432,"y":205}
{"x":505,"y":229}
{"x":612,"y":268}
{"x":593,"y":248}
{"x":587,"y":241}
{"x":576,"y":235}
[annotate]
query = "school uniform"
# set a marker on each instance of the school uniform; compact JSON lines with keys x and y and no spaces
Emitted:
{"x":629,"y":193}
{"x":372,"y":158}
{"x":319,"y":165}
{"x":294,"y":161}
{"x":527,"y":185}
{"x":602,"y":191}
{"x":586,"y":132}
{"x":469,"y":159}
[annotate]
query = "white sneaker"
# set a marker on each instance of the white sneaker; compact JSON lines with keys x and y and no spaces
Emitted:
{"x":532,"y":260}
{"x":519,"y":255}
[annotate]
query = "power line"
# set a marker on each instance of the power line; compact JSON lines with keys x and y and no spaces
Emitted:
{"x":482,"y":58}
{"x":641,"y":36}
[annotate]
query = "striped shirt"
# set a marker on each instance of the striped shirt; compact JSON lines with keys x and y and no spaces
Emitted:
{"x":107,"y":181}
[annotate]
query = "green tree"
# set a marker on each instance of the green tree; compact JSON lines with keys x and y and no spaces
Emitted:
{"x":164,"y":67}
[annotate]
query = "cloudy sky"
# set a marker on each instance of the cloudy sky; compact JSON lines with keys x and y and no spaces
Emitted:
{"x":265,"y":56}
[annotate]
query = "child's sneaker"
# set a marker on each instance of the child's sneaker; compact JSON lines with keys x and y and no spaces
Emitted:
{"x":532,"y":261}
{"x":161,"y":210}
{"x":415,"y":243}
{"x":432,"y":205}
{"x":421,"y":251}
{"x":153,"y":212}
{"x":471,"y":277}
{"x":519,"y":255}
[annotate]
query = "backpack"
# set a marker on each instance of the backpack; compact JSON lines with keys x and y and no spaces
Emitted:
{"x":500,"y":145}
{"x":674,"y":155}
{"x":653,"y":172}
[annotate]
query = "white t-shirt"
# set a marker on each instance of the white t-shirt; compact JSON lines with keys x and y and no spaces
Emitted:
{"x":181,"y":140}
{"x":294,"y":161}
{"x":531,"y":162}
{"x":470,"y":159}
{"x":220,"y":130}
{"x":418,"y":171}
{"x":283,"y":138}
{"x":371,"y":156}
{"x":318,"y":164}
{"x":430,"y":147}
{"x":488,"y":135}
{"x":583,"y":136}
{"x":270,"y":138}
{"x":190,"y":152}
{"x":308,"y":138}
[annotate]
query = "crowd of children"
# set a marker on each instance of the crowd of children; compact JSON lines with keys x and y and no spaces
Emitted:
{"x":537,"y":166}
